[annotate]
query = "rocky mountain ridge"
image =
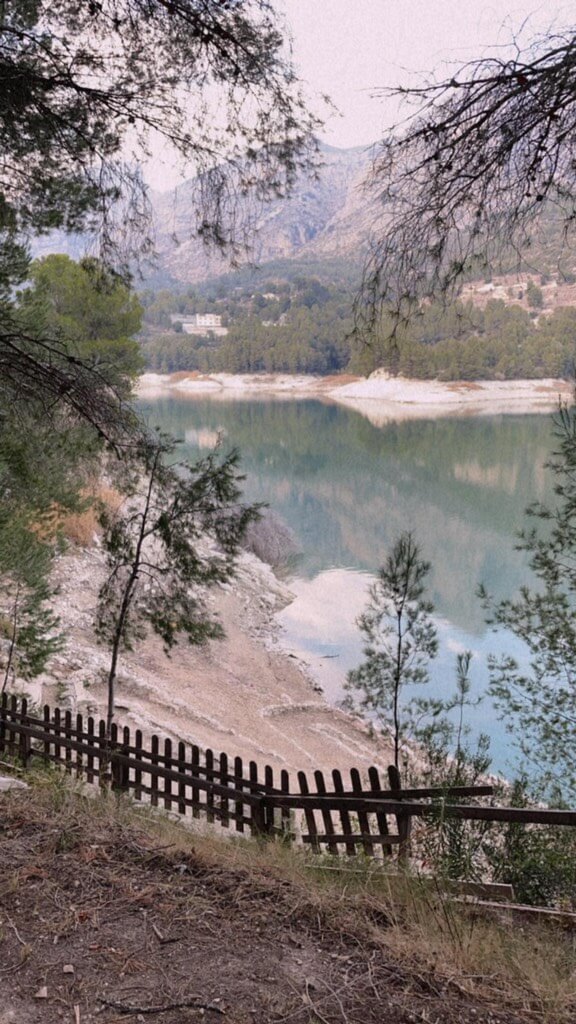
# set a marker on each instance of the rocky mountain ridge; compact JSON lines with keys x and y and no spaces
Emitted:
{"x":326,"y":217}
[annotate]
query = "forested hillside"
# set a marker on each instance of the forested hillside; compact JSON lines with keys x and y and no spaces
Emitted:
{"x":293,"y":326}
{"x":302,"y":324}
{"x":294,"y":313}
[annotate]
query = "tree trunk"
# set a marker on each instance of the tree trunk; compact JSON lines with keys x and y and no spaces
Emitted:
{"x":397,"y":684}
{"x":12,"y":640}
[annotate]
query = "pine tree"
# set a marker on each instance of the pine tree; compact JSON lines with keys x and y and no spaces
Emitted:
{"x":178,"y":534}
{"x":540,"y":699}
{"x":400,"y":639}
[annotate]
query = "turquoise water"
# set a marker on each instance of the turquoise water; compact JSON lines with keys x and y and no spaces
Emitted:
{"x":347,"y":489}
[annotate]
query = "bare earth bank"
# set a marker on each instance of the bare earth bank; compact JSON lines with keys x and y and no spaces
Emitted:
{"x":243,"y":695}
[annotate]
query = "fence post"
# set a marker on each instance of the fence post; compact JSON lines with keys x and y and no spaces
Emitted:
{"x":25,"y":745}
{"x":259,"y":826}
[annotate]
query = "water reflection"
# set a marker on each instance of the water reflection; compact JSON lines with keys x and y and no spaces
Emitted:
{"x":347,"y":488}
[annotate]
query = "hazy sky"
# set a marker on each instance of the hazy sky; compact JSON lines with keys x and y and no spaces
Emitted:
{"x":347,"y":48}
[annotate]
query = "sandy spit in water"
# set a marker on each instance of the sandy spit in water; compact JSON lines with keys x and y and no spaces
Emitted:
{"x":379,"y":397}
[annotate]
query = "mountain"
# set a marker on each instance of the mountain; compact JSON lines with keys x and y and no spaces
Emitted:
{"x":326,"y":222}
{"x":326,"y":218}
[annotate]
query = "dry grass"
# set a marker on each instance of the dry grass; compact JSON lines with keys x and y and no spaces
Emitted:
{"x":81,"y":528}
{"x":502,"y":962}
{"x":279,"y":937}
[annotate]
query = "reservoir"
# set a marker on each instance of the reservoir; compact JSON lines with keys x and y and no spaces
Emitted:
{"x":348,"y":488}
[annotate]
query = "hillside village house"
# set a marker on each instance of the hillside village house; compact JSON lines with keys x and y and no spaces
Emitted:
{"x":201,"y":323}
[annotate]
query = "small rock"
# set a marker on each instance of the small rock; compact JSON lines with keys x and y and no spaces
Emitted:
{"x":10,"y":783}
{"x":68,"y":969}
{"x":42,"y":993}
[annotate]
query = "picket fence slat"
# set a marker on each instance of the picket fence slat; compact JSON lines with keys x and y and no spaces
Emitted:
{"x":344,"y":815}
{"x":381,"y":819}
{"x":154,"y":764}
{"x":239,"y":805}
{"x":181,"y":772}
{"x":363,"y":819}
{"x":326,"y":815}
{"x":285,"y":817}
{"x":224,"y":796}
{"x":209,"y":758}
{"x":195,"y":790}
{"x":309,"y":815}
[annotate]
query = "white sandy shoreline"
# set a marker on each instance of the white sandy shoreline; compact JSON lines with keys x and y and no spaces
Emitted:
{"x":379,"y":397}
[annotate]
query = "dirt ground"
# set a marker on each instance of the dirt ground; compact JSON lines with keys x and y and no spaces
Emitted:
{"x":101,"y":920}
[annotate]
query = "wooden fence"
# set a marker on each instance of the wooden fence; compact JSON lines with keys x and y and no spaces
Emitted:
{"x":182,"y":778}
{"x":177,"y":776}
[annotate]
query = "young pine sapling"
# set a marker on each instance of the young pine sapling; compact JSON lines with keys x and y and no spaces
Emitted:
{"x":400,"y":639}
{"x":178,"y":533}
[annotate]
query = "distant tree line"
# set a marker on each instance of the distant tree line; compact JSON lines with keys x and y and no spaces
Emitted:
{"x":306,"y":326}
{"x":464,"y":342}
{"x":301,"y":326}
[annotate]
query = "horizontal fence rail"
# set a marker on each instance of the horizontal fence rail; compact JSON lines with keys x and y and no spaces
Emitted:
{"x":327,"y":814}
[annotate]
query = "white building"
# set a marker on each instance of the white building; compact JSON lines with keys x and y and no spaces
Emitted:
{"x":207,"y":320}
{"x":200,"y":323}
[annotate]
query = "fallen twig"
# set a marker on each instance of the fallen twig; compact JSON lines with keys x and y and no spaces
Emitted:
{"x":187,"y":1003}
{"x":162,"y":939}
{"x":13,"y":968}
{"x":16,"y":932}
